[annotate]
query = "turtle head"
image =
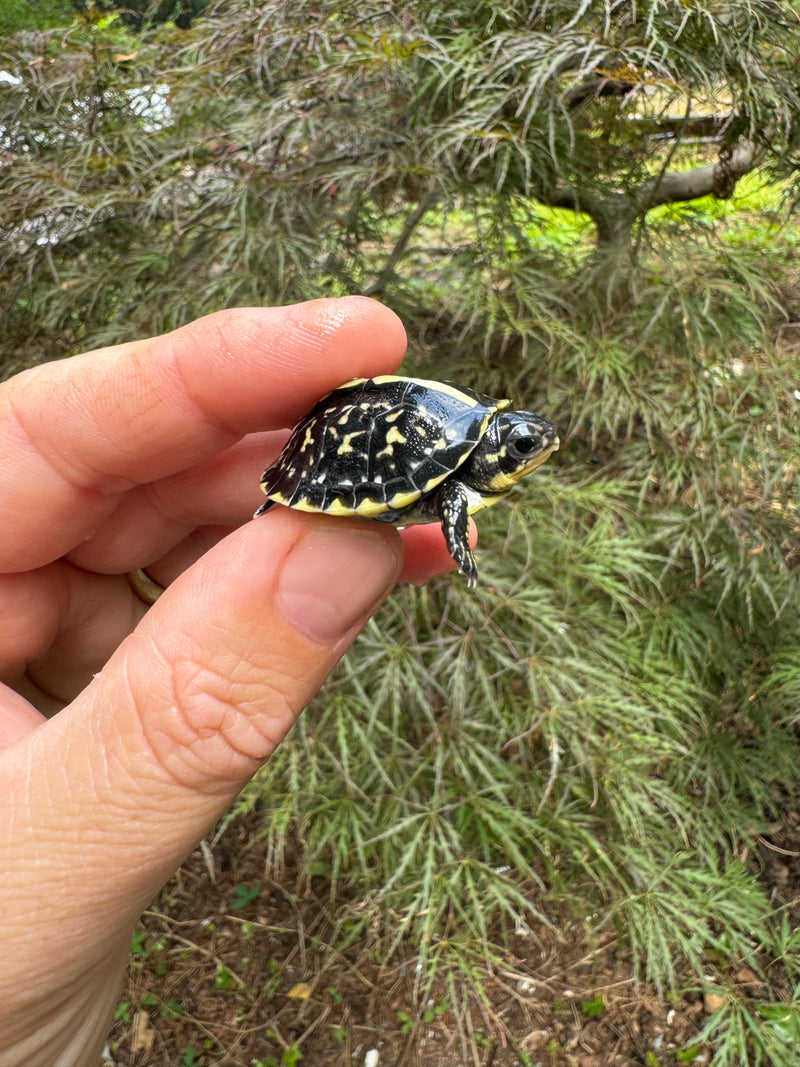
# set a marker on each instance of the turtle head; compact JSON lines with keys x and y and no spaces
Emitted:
{"x":514,"y":444}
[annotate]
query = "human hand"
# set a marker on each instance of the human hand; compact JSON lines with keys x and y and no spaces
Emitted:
{"x":149,"y":455}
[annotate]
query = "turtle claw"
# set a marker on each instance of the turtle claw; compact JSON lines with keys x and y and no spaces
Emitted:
{"x":264,"y":507}
{"x":468,"y":568}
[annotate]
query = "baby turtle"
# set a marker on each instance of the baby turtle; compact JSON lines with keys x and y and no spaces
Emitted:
{"x":407,"y":450}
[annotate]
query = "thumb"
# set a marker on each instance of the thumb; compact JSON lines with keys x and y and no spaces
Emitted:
{"x":111,"y":794}
{"x":218,"y":670}
{"x":221,"y":666}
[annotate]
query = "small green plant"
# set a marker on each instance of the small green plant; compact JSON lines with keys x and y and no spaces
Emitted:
{"x":244,"y":895}
{"x":428,"y":1015}
{"x":139,"y":943}
{"x":275,"y":977}
{"x":171,"y":1009}
{"x":433,"y":1011}
{"x":224,"y":980}
{"x":123,"y":1011}
{"x":290,"y":1057}
{"x":406,"y":1022}
{"x":593,"y":1008}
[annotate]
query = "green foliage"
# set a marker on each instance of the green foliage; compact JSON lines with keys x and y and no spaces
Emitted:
{"x":290,"y":1057}
{"x":608,"y":722}
{"x":576,"y":725}
{"x":18,"y":15}
{"x":744,"y":1033}
{"x":190,"y":1058}
{"x":255,"y":157}
{"x":225,"y":980}
{"x":595,"y":1006}
{"x":244,"y":895}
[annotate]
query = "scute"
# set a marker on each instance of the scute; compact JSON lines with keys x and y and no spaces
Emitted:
{"x":377,"y":445}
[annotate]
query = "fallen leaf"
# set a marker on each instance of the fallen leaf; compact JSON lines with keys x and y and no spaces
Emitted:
{"x":713,"y":1002}
{"x":301,"y":991}
{"x":143,"y":1035}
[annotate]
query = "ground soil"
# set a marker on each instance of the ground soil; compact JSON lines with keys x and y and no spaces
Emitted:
{"x":234,"y":968}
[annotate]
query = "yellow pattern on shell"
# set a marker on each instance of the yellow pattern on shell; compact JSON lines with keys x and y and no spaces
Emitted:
{"x":402,"y":500}
{"x":346,"y":445}
{"x":367,"y":508}
{"x":427,"y":383}
{"x":394,"y":436}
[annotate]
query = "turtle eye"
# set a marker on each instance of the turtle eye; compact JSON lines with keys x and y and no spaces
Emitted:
{"x":523,"y":446}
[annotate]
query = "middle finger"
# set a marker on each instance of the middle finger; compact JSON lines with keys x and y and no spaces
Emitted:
{"x":154,"y":518}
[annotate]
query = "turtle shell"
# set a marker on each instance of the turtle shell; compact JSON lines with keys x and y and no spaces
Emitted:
{"x":377,"y":445}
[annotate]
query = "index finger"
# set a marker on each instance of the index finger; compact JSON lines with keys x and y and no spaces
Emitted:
{"x":77,"y":434}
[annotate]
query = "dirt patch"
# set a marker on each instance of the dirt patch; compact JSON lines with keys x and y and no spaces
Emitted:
{"x":232,"y":968}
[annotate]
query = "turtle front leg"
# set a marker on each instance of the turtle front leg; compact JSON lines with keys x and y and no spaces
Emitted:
{"x":451,"y":506}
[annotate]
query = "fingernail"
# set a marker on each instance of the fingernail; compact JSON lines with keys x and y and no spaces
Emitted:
{"x":332,"y":579}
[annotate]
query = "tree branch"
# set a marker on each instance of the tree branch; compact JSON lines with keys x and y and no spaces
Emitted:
{"x":718,"y":179}
{"x":614,"y":213}
{"x":413,"y":220}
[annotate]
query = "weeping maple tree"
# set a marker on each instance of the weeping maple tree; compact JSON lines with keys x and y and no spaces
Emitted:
{"x":276,"y":151}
